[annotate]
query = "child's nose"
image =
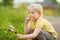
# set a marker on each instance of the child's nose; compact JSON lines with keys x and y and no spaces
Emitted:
{"x":30,"y":15}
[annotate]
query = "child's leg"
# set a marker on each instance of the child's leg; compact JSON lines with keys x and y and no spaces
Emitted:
{"x":43,"y":35}
{"x":39,"y":37}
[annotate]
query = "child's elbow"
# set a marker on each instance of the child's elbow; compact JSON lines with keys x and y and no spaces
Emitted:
{"x":34,"y":36}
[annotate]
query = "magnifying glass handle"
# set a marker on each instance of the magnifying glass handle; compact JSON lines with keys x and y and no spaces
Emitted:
{"x":15,"y":32}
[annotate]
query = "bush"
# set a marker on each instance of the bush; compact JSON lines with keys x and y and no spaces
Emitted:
{"x":7,"y":2}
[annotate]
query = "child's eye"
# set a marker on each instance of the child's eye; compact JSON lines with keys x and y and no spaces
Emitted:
{"x":32,"y":12}
{"x":28,"y":12}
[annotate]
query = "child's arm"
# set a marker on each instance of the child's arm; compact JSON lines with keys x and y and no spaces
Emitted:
{"x":26,"y":29}
{"x":33,"y":35}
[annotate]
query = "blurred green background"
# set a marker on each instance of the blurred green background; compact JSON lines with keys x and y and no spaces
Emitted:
{"x":16,"y":17}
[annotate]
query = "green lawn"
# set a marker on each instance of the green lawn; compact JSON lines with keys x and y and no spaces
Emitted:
{"x":10,"y":16}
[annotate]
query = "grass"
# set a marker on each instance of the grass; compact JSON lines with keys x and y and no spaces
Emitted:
{"x":10,"y":16}
{"x":51,"y":12}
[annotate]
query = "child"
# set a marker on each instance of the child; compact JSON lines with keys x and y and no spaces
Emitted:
{"x":36,"y":27}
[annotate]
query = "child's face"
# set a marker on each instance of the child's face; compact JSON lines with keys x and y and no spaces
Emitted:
{"x":32,"y":14}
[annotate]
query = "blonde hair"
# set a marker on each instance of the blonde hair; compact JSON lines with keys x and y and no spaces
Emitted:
{"x":37,"y":7}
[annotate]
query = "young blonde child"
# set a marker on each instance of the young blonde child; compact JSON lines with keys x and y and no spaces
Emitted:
{"x":36,"y":27}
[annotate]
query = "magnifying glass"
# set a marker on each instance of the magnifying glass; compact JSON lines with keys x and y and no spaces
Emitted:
{"x":12,"y":29}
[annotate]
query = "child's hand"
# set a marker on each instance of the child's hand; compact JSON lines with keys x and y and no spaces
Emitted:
{"x":27,"y":20}
{"x":19,"y":36}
